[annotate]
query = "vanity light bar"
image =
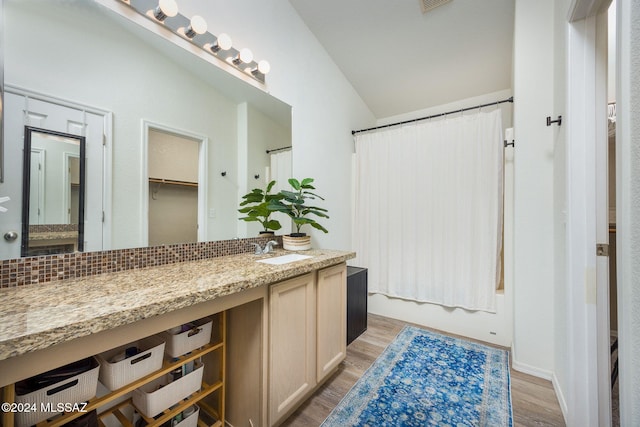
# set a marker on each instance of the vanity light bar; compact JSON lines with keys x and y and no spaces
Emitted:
{"x":194,"y":29}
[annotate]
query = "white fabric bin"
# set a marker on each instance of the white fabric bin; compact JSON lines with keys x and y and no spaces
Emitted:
{"x":115,"y":375}
{"x":191,"y":420}
{"x":56,"y":398}
{"x":184,"y":342}
{"x":158,"y":395}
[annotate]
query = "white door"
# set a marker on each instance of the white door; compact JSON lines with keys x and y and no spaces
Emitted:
{"x":21,"y":110}
{"x":36,"y":191}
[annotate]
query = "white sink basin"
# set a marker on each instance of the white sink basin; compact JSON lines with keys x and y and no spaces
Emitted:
{"x":284,"y":259}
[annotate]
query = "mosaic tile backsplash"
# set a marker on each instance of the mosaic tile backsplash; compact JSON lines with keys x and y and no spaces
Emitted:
{"x":51,"y":268}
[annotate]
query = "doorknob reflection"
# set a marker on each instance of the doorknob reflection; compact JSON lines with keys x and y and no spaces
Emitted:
{"x":10,"y":236}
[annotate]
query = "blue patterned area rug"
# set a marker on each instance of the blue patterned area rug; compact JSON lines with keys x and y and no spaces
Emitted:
{"x":427,"y":379}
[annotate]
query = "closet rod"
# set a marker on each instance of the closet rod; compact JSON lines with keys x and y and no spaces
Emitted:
{"x":278,"y":149}
{"x":353,"y":132}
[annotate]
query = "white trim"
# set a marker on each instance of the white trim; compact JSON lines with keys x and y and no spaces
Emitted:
{"x":560,"y":396}
{"x":581,"y":9}
{"x":66,"y":185}
{"x":627,"y":208}
{"x":203,"y":143}
{"x":582,"y":378}
{"x":41,"y":182}
{"x":107,"y":188}
{"x":21,"y":91}
{"x":600,"y":185}
{"x":545,"y":374}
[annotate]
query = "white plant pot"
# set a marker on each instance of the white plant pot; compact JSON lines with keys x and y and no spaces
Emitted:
{"x":296,"y":243}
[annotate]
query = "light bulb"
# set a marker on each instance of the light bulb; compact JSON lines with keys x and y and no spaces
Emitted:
{"x":198,"y":26}
{"x":264,"y":67}
{"x":165,"y":8}
{"x":223,"y":43}
{"x":246,"y":55}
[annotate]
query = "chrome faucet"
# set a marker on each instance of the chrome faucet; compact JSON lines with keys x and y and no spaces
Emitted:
{"x":267,"y":248}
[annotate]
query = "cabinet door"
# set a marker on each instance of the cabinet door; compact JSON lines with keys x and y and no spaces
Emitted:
{"x":292,"y":344}
{"x":331,"y":304}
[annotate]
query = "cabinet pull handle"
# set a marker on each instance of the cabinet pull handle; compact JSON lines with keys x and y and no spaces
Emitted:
{"x":141,"y":358}
{"x":62,"y":387}
{"x":193,"y":332}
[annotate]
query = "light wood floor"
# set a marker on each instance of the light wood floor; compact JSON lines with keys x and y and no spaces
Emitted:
{"x":534,"y":401}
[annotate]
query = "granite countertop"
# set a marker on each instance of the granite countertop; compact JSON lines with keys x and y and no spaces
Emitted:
{"x":53,"y":235}
{"x":38,"y":316}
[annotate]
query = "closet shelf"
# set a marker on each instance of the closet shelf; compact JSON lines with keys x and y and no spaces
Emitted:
{"x":173,"y":182}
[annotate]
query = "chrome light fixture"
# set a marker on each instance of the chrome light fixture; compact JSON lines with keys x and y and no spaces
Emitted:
{"x":263,"y":68}
{"x":165,"y":8}
{"x":223,"y":42}
{"x":245,"y":56}
{"x":165,"y":13}
{"x":197,"y":26}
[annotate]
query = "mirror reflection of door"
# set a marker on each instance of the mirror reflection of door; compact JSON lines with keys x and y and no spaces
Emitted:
{"x":53,"y":211}
{"x":173,"y":166}
{"x":72,"y":203}
{"x":36,"y":189}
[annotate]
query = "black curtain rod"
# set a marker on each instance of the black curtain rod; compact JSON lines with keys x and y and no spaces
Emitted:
{"x":353,"y":132}
{"x":279,"y":149}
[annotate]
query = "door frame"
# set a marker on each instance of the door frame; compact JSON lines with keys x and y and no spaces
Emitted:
{"x":203,"y":142}
{"x":41,"y":181}
{"x":66,"y":186}
{"x":588,"y":378}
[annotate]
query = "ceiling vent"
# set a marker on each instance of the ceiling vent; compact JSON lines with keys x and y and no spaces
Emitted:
{"x":427,"y":5}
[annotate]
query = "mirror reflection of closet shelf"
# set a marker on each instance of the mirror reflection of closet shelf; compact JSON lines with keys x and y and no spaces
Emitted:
{"x":172,"y":182}
{"x":173,"y":166}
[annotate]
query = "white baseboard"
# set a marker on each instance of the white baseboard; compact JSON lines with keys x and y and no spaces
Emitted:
{"x":532,"y":370}
{"x":528,"y":369}
{"x":544,"y":374}
{"x":560,"y":396}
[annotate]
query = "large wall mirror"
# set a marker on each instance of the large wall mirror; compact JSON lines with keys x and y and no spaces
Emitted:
{"x":111,"y":75}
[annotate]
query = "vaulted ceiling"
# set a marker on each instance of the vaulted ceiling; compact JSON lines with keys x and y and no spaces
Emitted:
{"x":401,"y":60}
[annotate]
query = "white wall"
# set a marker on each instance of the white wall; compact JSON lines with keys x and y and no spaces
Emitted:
{"x":534,"y":281}
{"x":325,"y":108}
{"x":262,"y":134}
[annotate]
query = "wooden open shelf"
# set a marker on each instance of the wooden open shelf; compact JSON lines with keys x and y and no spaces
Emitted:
{"x":205,"y":390}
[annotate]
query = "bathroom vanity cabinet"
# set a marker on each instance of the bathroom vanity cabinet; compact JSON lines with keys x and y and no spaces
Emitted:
{"x":308,"y":328}
{"x":279,"y":331}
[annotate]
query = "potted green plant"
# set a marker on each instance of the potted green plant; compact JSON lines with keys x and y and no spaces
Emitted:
{"x":295,"y":204}
{"x":256,"y":207}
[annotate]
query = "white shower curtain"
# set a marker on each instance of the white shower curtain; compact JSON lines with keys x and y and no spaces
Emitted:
{"x":428,"y":215}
